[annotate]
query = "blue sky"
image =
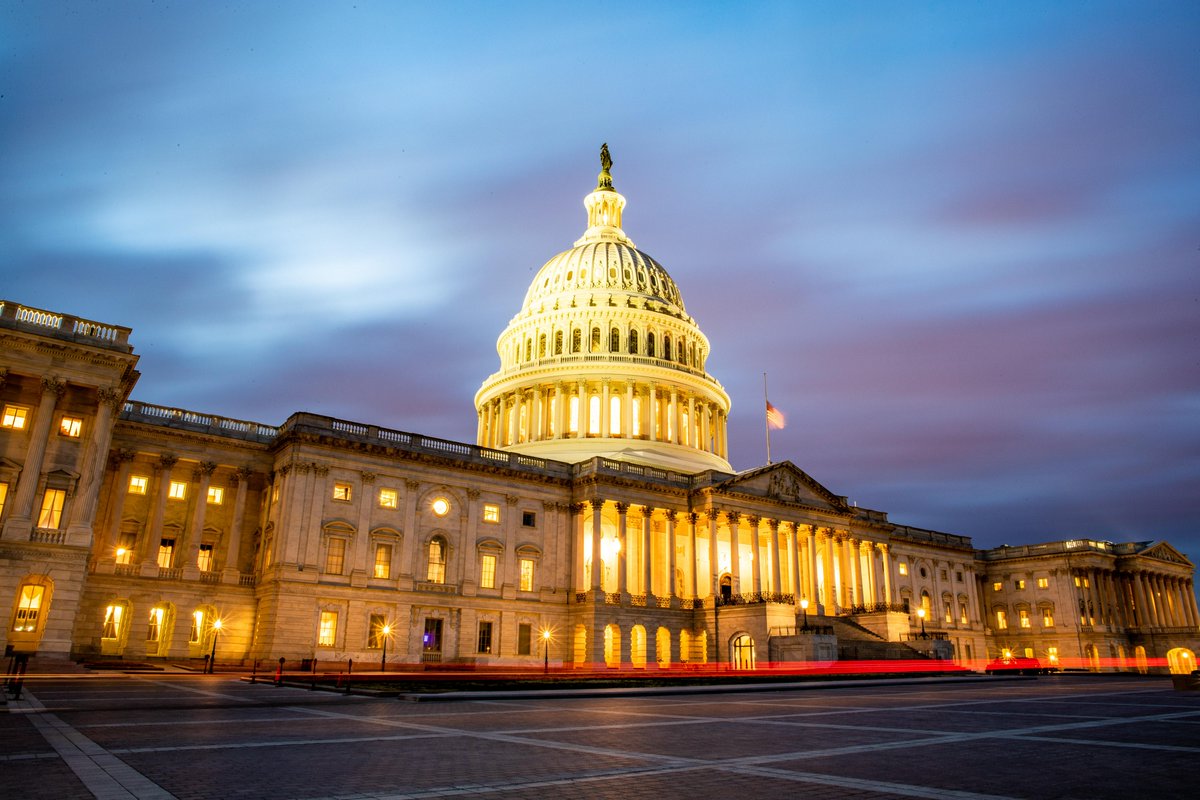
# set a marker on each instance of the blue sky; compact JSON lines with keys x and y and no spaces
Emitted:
{"x":962,"y":238}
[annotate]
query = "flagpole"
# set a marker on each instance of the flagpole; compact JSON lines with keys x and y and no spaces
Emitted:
{"x":766,"y":419}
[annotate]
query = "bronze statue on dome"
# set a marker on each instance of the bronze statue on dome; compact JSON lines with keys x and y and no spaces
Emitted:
{"x":605,"y":179}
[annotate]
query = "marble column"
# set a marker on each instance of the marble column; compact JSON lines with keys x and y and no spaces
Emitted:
{"x":153,"y":531}
{"x":755,"y":556}
{"x":773,"y":553}
{"x":735,"y":552}
{"x":810,"y":556}
{"x":594,"y":546}
{"x":20,"y":519}
{"x":669,"y":524}
{"x":623,"y":547}
{"x":693,"y":555}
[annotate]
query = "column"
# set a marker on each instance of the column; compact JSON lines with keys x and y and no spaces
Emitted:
{"x":153,"y":530}
{"x":755,"y":556}
{"x":886,"y":557}
{"x":582,"y":419}
{"x":810,"y":554}
{"x":871,"y":596}
{"x":581,"y":549}
{"x":560,"y":410}
{"x":692,"y":426}
{"x":594,"y":548}
{"x":240,"y":479}
{"x":797,"y":584}
{"x":203,"y":476}
{"x":693,"y":554}
{"x":714,"y":566}
{"x":1145,"y":619}
{"x":773,"y":553}
{"x":670,"y":525}
{"x":735,"y":556}
{"x":652,"y":412}
{"x":91,"y":471}
{"x":622,"y":548}
{"x":20,"y":519}
{"x":853,"y":568}
{"x":1191,"y":598}
{"x":828,"y":598}
{"x":647,"y":548}
{"x":673,"y":416}
{"x":627,"y":412}
{"x":122,"y":460}
{"x":605,"y":411}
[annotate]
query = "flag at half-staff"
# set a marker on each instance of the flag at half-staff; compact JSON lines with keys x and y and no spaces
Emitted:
{"x":775,"y":418}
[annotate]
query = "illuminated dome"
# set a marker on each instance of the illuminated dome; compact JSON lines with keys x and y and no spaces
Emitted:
{"x":603,"y":359}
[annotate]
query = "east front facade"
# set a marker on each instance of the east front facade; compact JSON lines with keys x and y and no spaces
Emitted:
{"x":595,"y":523}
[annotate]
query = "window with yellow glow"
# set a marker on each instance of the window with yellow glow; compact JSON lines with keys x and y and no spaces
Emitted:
{"x":216,"y":495}
{"x":1020,"y":584}
{"x":52,"y":506}
{"x":112,"y":621}
{"x":383,"y":561}
{"x":197,"y":626}
{"x":997,"y":586}
{"x":1043,"y":583}
{"x":962,"y":615}
{"x":70,"y":427}
{"x":526,"y":575}
{"x":29,"y":608}
{"x":1023,"y":617}
{"x":948,"y":613}
{"x":342,"y":491}
{"x":485,"y":638}
{"x":376,"y":627}
{"x":154,"y":626}
{"x":388,"y":498}
{"x":177,"y":490}
{"x":441,"y":506}
{"x":15,"y":417}
{"x":614,"y":416}
{"x":491,"y":512}
{"x":166,"y":553}
{"x":335,"y":556}
{"x":487,"y":571}
{"x":327,"y":630}
{"x":124,"y":550}
{"x":138,"y":484}
{"x":436,"y":572}
{"x":3,"y":497}
{"x":636,"y":422}
{"x":1047,"y":618}
{"x":594,"y":415}
{"x":573,"y":414}
{"x":204,"y":558}
{"x":902,"y":568}
{"x":1001,"y":619}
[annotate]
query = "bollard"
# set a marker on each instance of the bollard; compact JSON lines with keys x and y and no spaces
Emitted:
{"x":349,"y":672}
{"x":254,"y":671}
{"x":313,"y":686}
{"x":279,"y":672}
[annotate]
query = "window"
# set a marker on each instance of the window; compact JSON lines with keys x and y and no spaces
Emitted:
{"x":437,"y":561}
{"x":633,"y":343}
{"x":529,"y":519}
{"x":595,"y":340}
{"x":52,"y":506}
{"x":576,"y":340}
{"x":327,"y":630}
{"x":997,"y":586}
{"x":441,"y":506}
{"x":341,"y":491}
{"x":487,"y":571}
{"x":526,"y":575}
{"x":558,"y":339}
{"x":948,"y":612}
{"x":962,"y":614}
{"x":197,"y":626}
{"x":178,"y":490}
{"x":388,"y":498}
{"x":902,"y":567}
{"x":383,"y":561}
{"x":636,"y":414}
{"x":112,"y":621}
{"x":15,"y":417}
{"x":70,"y":426}
{"x":166,"y":553}
{"x":1001,"y":619}
{"x":1047,"y":618}
{"x":491,"y":512}
{"x":138,"y":484}
{"x":573,"y":414}
{"x":1023,"y":617}
{"x":594,"y":415}
{"x":958,"y":577}
{"x":154,"y":628}
{"x":335,"y":556}
{"x":204,"y":560}
{"x":3,"y":496}
{"x":944,"y":575}
{"x":1043,"y":583}
{"x":614,"y":341}
{"x":377,"y":631}
{"x":524,"y":639}
{"x":1020,"y":584}
{"x":485,"y":638}
{"x":29,"y":607}
{"x":216,"y":495}
{"x":124,"y":551}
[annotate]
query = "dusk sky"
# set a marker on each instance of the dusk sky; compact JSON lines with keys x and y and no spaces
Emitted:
{"x":962,"y":238}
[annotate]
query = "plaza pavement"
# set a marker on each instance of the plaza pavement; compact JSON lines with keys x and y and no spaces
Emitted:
{"x":192,"y":736}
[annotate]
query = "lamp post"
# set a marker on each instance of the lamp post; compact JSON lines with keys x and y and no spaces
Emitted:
{"x":212,"y":658}
{"x":804,"y":608}
{"x":384,"y":633}
{"x":921,"y":614}
{"x":546,"y":651}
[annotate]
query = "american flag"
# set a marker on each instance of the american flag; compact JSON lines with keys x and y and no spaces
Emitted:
{"x":775,"y":417}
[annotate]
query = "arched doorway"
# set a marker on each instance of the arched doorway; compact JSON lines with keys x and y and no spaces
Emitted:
{"x":1181,"y":661}
{"x":637,"y":646}
{"x":662,"y":647}
{"x":741,"y":651}
{"x":1093,"y":657}
{"x":581,"y":653}
{"x":1139,"y":658}
{"x":612,"y":646}
{"x":726,"y":588}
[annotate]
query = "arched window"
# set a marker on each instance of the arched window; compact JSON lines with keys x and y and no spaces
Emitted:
{"x":594,"y":415}
{"x":633,"y":342}
{"x":573,"y":414}
{"x":558,"y":343}
{"x":576,"y":340}
{"x":528,"y":349}
{"x":614,"y":415}
{"x":595,"y":340}
{"x":614,"y":341}
{"x":542,"y":346}
{"x":666,"y":347}
{"x":436,"y":573}
{"x":650,"y":344}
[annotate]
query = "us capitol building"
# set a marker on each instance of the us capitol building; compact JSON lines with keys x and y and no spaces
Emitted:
{"x":596,"y":521}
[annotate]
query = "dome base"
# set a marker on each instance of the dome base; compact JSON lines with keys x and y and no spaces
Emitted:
{"x":663,"y":455}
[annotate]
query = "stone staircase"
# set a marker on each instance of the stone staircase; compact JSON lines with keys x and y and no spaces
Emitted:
{"x":856,"y":643}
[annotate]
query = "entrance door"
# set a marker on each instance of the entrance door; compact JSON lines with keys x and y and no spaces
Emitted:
{"x":743,"y":652}
{"x":431,"y":641}
{"x":726,"y":588}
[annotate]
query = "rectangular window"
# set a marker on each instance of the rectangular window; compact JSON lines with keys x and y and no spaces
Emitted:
{"x":3,"y":497}
{"x":124,"y":551}
{"x":949,"y":613}
{"x":958,"y":577}
{"x":112,"y":621}
{"x":166,"y":553}
{"x":485,"y":638}
{"x":1029,"y":652}
{"x":1020,"y":584}
{"x":1052,"y":654}
{"x":15,"y":417}
{"x":388,"y":498}
{"x":487,"y":571}
{"x":524,"y":639}
{"x":178,"y":490}
{"x":341,"y":491}
{"x":335,"y":556}
{"x":70,"y":427}
{"x":383,"y":561}
{"x":377,"y":631}
{"x":216,"y":495}
{"x":1023,"y":617}
{"x":529,"y":519}
{"x":997,"y":586}
{"x":636,"y":414}
{"x":431,"y":639}
{"x":1047,"y":618}
{"x":327,"y":632}
{"x":1043,"y":583}
{"x":138,"y":484}
{"x":491,"y":512}
{"x":197,"y":627}
{"x":962,"y":614}
{"x":526,"y":575}
{"x":52,"y":506}
{"x":944,"y":574}
{"x":204,"y":559}
{"x":154,"y":628}
{"x":573,"y":414}
{"x":902,"y":567}
{"x":436,"y":573}
{"x":29,"y":607}
{"x":1077,"y":581}
{"x":1001,"y":619}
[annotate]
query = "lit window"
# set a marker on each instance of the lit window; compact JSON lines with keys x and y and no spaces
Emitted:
{"x":197,"y":626}
{"x":487,"y":571}
{"x":441,"y":506}
{"x":962,"y":615}
{"x":341,"y":491}
{"x":1001,"y":619}
{"x":383,"y":560}
{"x":335,"y":556}
{"x":388,"y":498}
{"x":1043,"y":583}
{"x":1052,"y":655}
{"x":166,"y":552}
{"x":124,"y":551}
{"x":216,"y":495}
{"x":204,"y":559}
{"x":437,"y":561}
{"x":524,"y":639}
{"x":491,"y":512}
{"x":154,"y":627}
{"x":1020,"y":584}
{"x":902,"y":567}
{"x":29,"y":607}
{"x":52,"y":506}
{"x":15,"y":417}
{"x":1029,"y":652}
{"x":3,"y":497}
{"x":594,"y":415}
{"x":275,"y":494}
{"x":485,"y":638}
{"x":70,"y":426}
{"x":178,"y":490}
{"x":573,"y":414}
{"x":614,"y":416}
{"x":526,"y":575}
{"x":997,"y":586}
{"x":138,"y":484}
{"x":1087,"y":583}
{"x":112,"y":621}
{"x":377,"y":630}
{"x":327,"y":633}
{"x":529,"y":519}
{"x":948,"y":613}
{"x":1077,"y":581}
{"x":1047,"y":618}
{"x":636,"y":417}
{"x":1023,"y":616}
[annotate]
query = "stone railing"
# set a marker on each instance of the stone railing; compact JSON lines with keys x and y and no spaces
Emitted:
{"x":63,"y":326}
{"x":435,"y":588}
{"x":755,"y":598}
{"x":875,"y":608}
{"x":801,"y":630}
{"x":607,"y":466}
{"x":165,"y":416}
{"x":47,"y":536}
{"x":936,"y":537}
{"x":1068,"y":546}
{"x":596,"y":360}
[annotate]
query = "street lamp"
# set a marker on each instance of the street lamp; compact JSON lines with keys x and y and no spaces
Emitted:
{"x":804,"y":608}
{"x":546,"y":651}
{"x":921,"y":614}
{"x":384,"y":633}
{"x":212,"y":658}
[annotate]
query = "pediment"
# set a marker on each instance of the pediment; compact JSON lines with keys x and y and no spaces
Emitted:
{"x":783,"y":482}
{"x":1165,"y":552}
